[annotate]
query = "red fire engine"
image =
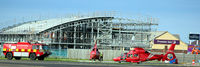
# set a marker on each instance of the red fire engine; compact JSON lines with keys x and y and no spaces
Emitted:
{"x":25,"y":49}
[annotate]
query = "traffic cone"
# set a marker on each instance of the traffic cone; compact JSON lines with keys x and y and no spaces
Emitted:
{"x":193,"y":62}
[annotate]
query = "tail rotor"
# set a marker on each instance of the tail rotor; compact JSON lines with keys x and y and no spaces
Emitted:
{"x":170,"y":55}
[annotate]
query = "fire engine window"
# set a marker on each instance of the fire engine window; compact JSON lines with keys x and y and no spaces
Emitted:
{"x":40,"y":47}
{"x":33,"y":47}
{"x":37,"y":47}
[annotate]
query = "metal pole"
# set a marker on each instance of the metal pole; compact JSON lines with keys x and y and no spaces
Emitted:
{"x":111,"y":31}
{"x":92,"y":34}
{"x":98,"y":29}
{"x":60,"y":37}
{"x":120,"y":32}
{"x":75,"y":37}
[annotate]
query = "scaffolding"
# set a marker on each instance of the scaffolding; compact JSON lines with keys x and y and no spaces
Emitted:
{"x":80,"y":32}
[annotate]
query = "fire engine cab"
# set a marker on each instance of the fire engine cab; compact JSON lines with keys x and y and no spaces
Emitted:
{"x":25,"y":49}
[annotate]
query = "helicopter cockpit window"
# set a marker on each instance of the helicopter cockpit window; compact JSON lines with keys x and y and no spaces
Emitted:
{"x":135,"y":55}
{"x":129,"y":55}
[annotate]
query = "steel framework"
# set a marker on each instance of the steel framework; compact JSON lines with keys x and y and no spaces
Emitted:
{"x":81,"y":33}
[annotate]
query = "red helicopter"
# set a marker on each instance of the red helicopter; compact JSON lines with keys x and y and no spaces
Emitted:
{"x":138,"y":55}
{"x":95,"y":54}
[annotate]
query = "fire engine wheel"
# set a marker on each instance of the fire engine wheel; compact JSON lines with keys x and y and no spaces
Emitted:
{"x":17,"y":58}
{"x":9,"y":56}
{"x":32,"y":56}
{"x":40,"y":58}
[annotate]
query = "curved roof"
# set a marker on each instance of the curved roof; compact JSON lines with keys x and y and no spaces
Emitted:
{"x":38,"y":26}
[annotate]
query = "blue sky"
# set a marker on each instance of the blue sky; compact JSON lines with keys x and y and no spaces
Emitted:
{"x":176,"y":16}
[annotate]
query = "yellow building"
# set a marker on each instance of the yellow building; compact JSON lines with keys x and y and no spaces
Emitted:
{"x":162,"y":40}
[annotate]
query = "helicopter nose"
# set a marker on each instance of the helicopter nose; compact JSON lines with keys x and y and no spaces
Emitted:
{"x":128,"y":59}
{"x":116,"y":59}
